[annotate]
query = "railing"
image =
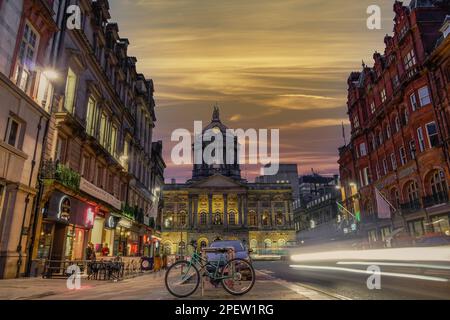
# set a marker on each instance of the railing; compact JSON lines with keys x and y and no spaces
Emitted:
{"x":435,"y":199}
{"x":411,"y":207}
{"x":69,"y":178}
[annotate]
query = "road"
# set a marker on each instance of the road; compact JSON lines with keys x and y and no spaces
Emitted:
{"x":403,"y":281}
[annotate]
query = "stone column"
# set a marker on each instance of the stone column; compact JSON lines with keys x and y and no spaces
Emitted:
{"x":245,"y":210}
{"x":272,"y":214}
{"x":225,"y":210}
{"x":195,"y":214}
{"x":240,"y":213}
{"x":287,"y":205}
{"x":210,"y":216}
{"x":190,"y":215}
{"x":259,"y":213}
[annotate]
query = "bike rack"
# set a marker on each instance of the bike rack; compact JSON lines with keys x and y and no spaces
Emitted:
{"x":230,"y":256}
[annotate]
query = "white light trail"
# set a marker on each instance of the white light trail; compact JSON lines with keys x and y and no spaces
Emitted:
{"x":398,"y":254}
{"x":366,"y":272}
{"x":393,"y":264}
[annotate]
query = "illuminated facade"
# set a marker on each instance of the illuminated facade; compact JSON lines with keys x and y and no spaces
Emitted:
{"x":218,"y":204}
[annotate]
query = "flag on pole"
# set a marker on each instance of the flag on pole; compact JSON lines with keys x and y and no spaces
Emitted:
{"x":383,"y":206}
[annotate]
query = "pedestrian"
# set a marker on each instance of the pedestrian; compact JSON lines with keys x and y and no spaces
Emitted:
{"x":105,"y":250}
{"x":90,"y":257}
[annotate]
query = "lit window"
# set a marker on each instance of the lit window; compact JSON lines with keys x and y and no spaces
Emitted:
{"x":412,"y":149}
{"x":26,"y":58}
{"x":91,"y":116}
{"x":113,"y":146}
{"x":383,"y":96}
{"x":363,"y":149}
{"x":103,"y":128}
{"x":424,"y":96}
{"x":372,"y":107}
{"x":71,"y":86}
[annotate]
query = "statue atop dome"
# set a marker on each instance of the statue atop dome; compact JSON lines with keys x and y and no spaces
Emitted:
{"x":216,"y":114}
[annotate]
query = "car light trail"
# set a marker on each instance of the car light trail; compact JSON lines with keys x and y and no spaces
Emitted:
{"x":393,"y":264}
{"x":366,"y":272}
{"x":398,"y":254}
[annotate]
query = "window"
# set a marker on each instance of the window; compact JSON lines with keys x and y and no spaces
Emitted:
{"x":91,"y":116}
{"x":395,"y":82}
{"x":86,"y":166}
{"x":61,"y":144}
{"x":232,"y":219}
{"x":412,"y":192}
{"x":397,"y":124}
{"x":13,"y":133}
{"x":433,"y":137}
{"x":403,"y":158}
{"x":377,"y":168}
{"x":365,"y":177}
{"x":413,"y":100}
{"x":45,"y":92}
{"x":409,"y":60}
{"x":438,"y":184}
{"x":71,"y":87}
{"x":383,"y":96}
{"x":421,"y":139}
{"x":253,"y":219}
{"x":388,"y":131}
{"x":356,"y":121}
{"x":424,"y":96}
{"x":385,"y":167}
{"x":113,"y":146}
{"x":372,"y":107}
{"x":103,"y":129}
{"x":393,"y":161}
{"x":412,"y":149}
{"x":203,"y":219}
{"x":100,"y":176}
{"x":363,"y":150}
{"x":406,"y":115}
{"x":26,"y":58}
{"x":380,"y":138}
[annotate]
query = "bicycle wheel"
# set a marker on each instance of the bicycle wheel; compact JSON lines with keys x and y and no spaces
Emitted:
{"x":182,"y":279}
{"x":239,"y":277}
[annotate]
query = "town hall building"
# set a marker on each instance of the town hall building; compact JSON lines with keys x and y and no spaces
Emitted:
{"x":217,"y":203}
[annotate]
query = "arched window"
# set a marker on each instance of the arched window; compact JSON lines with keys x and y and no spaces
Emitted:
{"x":253,"y":244}
{"x":203,"y":219}
{"x":439,"y":191}
{"x":397,"y":124}
{"x":412,"y":191}
{"x":280,"y":219}
{"x":168,"y":221}
{"x":281,"y":243}
{"x":182,"y":219}
{"x":253,"y":219}
{"x":167,"y":248}
{"x":268,"y":243}
{"x":266,"y":219}
{"x":217,"y":219}
{"x":232,"y":219}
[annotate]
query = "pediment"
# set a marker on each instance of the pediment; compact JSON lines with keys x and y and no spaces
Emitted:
{"x":217,"y":181}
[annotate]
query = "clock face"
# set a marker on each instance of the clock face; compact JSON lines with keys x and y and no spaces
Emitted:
{"x":216,"y":130}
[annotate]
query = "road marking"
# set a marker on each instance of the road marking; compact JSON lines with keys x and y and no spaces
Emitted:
{"x":392,"y":264}
{"x":387,"y":274}
{"x":306,"y":291}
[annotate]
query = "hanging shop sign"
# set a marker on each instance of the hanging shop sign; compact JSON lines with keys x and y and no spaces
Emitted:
{"x":64,"y":208}
{"x":111,"y":222}
{"x":101,"y":194}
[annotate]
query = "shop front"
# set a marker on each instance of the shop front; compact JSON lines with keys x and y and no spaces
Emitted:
{"x":65,"y":229}
{"x":126,"y":239}
{"x":103,"y":233}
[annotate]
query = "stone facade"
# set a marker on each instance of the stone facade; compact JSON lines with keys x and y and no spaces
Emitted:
{"x":221,"y":205}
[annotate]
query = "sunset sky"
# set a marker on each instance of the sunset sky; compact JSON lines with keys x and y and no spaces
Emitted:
{"x":268,"y":64}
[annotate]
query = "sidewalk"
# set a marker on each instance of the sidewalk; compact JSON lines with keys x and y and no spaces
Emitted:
{"x":147,"y":287}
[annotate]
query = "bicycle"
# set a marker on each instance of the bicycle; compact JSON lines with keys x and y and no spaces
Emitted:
{"x":237,"y":276}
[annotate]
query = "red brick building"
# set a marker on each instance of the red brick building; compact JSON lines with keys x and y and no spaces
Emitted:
{"x":399,"y":111}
